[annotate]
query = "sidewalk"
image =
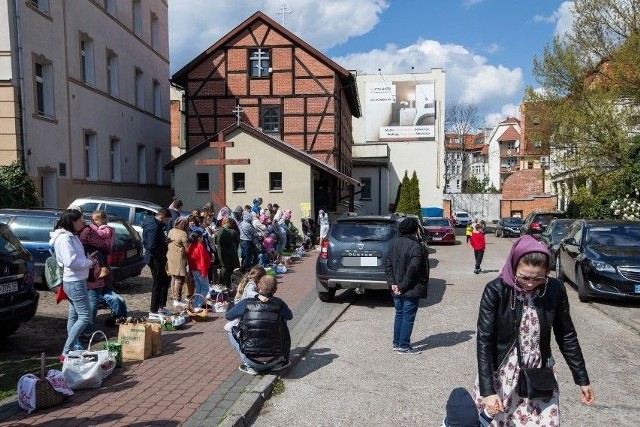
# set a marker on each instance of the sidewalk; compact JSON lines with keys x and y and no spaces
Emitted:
{"x":196,"y":379}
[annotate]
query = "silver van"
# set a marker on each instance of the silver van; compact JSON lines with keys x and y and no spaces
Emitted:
{"x":132,"y":210}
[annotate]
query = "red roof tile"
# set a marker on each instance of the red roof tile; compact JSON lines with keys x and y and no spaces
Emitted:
{"x":511,"y":134}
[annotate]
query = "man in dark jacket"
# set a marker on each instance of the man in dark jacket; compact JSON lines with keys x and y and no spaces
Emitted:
{"x":407,"y":273}
{"x":155,"y":256}
{"x":261,"y":337}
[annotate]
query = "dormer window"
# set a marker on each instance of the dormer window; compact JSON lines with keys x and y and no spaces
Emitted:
{"x":259,"y":62}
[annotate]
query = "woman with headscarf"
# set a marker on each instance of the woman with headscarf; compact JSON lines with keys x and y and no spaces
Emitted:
{"x":518,"y":310}
{"x":227,"y":241}
{"x":177,"y":260}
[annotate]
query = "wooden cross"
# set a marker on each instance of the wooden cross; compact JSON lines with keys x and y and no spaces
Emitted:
{"x":220,"y":199}
{"x":284,"y":11}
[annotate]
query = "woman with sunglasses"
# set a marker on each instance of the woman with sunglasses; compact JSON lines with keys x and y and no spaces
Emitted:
{"x":520,"y":308}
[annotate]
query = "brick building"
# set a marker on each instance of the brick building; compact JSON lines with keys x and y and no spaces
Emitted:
{"x":268,"y":78}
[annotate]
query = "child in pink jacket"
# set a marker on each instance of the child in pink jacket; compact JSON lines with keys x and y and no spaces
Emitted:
{"x":99,"y":225}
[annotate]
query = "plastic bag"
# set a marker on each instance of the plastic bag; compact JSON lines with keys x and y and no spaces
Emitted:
{"x":86,"y":368}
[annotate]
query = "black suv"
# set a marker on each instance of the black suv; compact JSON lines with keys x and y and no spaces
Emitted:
{"x":536,"y":223}
{"x":18,"y":298}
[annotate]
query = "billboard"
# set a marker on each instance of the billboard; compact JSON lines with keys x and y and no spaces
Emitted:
{"x":400,"y":110}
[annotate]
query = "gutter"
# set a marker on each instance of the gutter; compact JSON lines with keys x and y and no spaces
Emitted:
{"x":23,"y":132}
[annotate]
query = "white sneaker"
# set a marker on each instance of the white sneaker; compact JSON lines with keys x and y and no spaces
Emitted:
{"x":178,"y":304}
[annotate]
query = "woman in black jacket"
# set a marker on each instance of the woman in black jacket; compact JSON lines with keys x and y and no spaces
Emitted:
{"x":522,"y":306}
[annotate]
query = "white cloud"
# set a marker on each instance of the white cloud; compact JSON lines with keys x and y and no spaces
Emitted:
{"x":469,"y":77}
{"x":195,"y":25}
{"x":469,"y":3}
{"x":508,"y":110}
{"x":562,"y":17}
{"x":493,"y":48}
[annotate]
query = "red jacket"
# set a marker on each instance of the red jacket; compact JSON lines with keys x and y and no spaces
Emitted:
{"x":199,"y":258}
{"x":477,"y":241}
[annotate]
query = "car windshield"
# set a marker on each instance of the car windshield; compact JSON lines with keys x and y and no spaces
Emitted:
{"x":561,"y":228}
{"x":545,"y":218}
{"x":32,"y":229}
{"x":122,"y":231}
{"x":513,"y":222}
{"x":354,"y":231}
{"x":9,"y":244}
{"x":462,"y":215}
{"x":437,"y":222}
{"x":622,"y":235}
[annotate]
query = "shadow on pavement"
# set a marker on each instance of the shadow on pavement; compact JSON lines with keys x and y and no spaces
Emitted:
{"x":314,"y":359}
{"x":446,"y":339}
{"x":437,"y":288}
{"x":170,"y":341}
{"x":102,"y":419}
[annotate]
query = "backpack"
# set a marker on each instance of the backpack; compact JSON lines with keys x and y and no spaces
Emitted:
{"x":52,"y":271}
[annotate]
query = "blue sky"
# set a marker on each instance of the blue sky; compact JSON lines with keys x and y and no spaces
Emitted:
{"x":486,"y":47}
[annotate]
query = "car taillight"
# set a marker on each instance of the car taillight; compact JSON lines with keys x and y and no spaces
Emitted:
{"x":116,"y":257}
{"x":536,"y":226}
{"x":324,"y":250}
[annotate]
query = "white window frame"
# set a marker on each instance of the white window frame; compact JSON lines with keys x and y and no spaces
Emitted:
{"x":90,"y":155}
{"x":236,"y":179}
{"x":272,"y":181}
{"x":159,"y":168}
{"x":139,"y":88}
{"x":136,"y":13}
{"x":116,"y":156}
{"x":43,"y":88}
{"x":142,"y":164}
{"x":87,"y":70}
{"x":113,"y":86}
{"x":157,"y":99}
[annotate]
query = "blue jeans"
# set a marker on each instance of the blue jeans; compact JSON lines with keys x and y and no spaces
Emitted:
{"x":114,"y":300}
{"x":247,"y":248}
{"x":201,"y":287}
{"x":258,"y":366}
{"x":406,"y":309}
{"x":79,"y":312}
{"x":94,"y":301}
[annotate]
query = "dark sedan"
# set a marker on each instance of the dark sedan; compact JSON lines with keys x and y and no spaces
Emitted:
{"x":509,"y":227}
{"x":602,"y":258}
{"x":439,"y":230}
{"x":554,"y":233}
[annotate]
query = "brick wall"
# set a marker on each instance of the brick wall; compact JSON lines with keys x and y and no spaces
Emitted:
{"x":174,"y":110}
{"x":523,"y":184}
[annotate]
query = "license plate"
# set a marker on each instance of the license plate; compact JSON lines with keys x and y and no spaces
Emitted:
{"x":368,"y":261}
{"x":132,"y":252}
{"x":436,"y":238}
{"x":8,"y":288}
{"x":636,"y":289}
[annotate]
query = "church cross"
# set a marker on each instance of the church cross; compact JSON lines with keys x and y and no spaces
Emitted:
{"x":238,"y":111}
{"x":284,"y":11}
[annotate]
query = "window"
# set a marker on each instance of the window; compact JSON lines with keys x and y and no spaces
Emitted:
{"x":110,"y":7}
{"x":365,"y":194}
{"x":238,"y":181}
{"x":44,"y":88}
{"x":155,"y":32}
{"x":86,"y":60}
{"x":271,"y":119}
{"x":137,"y":18}
{"x":458,"y":184}
{"x":41,"y":5}
{"x":90,"y":156}
{"x":537,"y":143}
{"x":529,"y":165}
{"x":157,"y":104}
{"x":112,"y":73}
{"x":139,"y":88}
{"x":142,"y":165}
{"x":202,"y":182}
{"x":159,"y":170}
{"x":275,"y":181}
{"x":259,"y":62}
{"x":116,"y":171}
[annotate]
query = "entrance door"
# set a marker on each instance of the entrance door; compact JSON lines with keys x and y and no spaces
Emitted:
{"x":49,"y":182}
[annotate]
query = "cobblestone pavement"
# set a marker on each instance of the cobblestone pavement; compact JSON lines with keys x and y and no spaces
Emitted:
{"x":194,"y":381}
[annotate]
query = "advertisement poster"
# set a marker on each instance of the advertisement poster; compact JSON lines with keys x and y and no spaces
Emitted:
{"x":400,"y":110}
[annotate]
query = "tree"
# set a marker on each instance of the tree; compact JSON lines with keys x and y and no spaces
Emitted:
{"x":17,"y":190}
{"x":415,"y":195}
{"x":461,"y":119}
{"x":403,"y":194}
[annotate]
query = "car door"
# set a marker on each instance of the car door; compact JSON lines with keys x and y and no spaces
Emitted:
{"x":571,"y":250}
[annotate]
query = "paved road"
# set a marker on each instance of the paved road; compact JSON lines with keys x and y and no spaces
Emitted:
{"x":352,"y":377}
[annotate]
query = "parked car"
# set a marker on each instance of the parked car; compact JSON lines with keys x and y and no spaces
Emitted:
{"x":32,"y":228}
{"x":509,"y":227}
{"x":439,"y":230}
{"x":461,"y":219}
{"x":134,"y":211}
{"x":354,"y":254}
{"x":602,"y":258}
{"x":18,"y":298}
{"x":537,"y":222}
{"x":551,"y":237}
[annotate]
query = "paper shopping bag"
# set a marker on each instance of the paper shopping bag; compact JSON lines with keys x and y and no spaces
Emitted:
{"x":136,"y":341}
{"x":156,"y":338}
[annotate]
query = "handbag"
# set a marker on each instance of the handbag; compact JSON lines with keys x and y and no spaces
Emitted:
{"x":535,"y":383}
{"x":86,"y":368}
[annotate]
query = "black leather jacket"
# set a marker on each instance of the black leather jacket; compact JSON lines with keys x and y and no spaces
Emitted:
{"x":498,"y":325}
{"x":407,"y":266}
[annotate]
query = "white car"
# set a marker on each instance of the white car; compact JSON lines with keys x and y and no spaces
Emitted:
{"x":134,"y":211}
{"x":462,"y":218}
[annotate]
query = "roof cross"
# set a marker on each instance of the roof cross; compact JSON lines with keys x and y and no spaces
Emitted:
{"x":284,"y":11}
{"x":238,"y":111}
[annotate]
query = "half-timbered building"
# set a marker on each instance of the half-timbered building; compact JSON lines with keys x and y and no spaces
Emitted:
{"x":264,"y":76}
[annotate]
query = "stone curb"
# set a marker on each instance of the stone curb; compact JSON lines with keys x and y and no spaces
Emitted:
{"x":315,"y":322}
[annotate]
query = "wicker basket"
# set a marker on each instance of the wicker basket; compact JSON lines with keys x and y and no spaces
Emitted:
{"x":46,"y":395}
{"x":199,"y":316}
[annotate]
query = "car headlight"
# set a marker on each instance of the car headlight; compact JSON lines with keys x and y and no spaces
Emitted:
{"x":603,"y":266}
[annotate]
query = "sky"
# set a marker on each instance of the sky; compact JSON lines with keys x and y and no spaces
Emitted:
{"x":485,"y":47}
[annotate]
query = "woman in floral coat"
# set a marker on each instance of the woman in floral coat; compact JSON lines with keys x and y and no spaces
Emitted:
{"x":523,"y":306}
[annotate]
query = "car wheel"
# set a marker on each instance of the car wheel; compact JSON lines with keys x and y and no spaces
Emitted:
{"x":497,"y":234}
{"x":583,"y":294}
{"x":327,"y":296}
{"x":559,"y":272}
{"x":8,"y":329}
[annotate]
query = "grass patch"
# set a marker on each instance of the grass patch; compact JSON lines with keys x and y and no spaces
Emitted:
{"x":12,"y":370}
{"x":278,"y":387}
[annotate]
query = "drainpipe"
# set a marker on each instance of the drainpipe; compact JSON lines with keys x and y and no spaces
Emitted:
{"x":23,"y":132}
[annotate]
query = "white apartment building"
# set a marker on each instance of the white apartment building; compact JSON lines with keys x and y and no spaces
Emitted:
{"x":401,"y":129}
{"x":84,"y":96}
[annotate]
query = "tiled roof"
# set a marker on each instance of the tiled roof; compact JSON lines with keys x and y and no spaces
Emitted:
{"x":511,"y":134}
